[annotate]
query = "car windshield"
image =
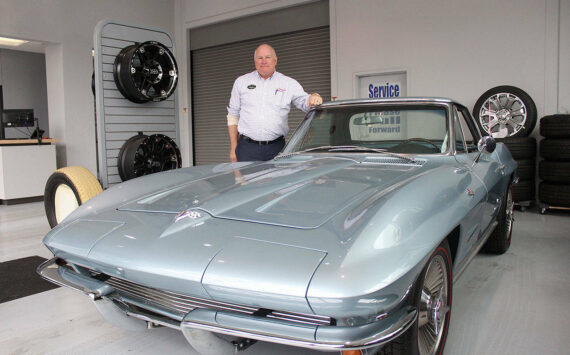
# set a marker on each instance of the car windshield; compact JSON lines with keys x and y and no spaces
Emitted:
{"x":409,"y":130}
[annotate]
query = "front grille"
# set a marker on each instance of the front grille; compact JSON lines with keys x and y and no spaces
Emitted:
{"x":181,"y":304}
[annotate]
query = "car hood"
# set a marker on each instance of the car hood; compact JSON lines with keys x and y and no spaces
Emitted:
{"x":298,"y":192}
{"x":213,"y":253}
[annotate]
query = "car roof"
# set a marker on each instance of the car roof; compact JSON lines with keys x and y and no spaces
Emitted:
{"x":395,"y":100}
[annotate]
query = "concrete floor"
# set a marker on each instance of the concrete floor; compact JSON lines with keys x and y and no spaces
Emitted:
{"x":516,"y":303}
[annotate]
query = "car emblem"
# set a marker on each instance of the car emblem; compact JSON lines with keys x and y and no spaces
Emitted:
{"x":188,"y":213}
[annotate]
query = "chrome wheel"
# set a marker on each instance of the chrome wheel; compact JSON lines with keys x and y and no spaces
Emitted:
{"x":434,"y":306}
{"x":503,"y":115}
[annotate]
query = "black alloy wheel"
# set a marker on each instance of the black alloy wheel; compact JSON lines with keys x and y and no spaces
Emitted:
{"x":144,"y":155}
{"x":146,"y":72}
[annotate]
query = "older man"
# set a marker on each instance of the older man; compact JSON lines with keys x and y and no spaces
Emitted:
{"x":259,"y":107}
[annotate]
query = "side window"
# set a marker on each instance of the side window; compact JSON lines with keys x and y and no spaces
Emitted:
{"x":470,"y":134}
{"x":459,"y":140}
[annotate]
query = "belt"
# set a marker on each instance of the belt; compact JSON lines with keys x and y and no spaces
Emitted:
{"x":247,"y":139}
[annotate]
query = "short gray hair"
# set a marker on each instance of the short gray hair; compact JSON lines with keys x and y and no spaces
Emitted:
{"x":265,"y":44}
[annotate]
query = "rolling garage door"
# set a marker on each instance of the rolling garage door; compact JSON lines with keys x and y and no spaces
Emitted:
{"x":303,"y":55}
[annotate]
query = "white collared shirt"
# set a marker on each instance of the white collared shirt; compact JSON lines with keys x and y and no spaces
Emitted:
{"x":263,"y":105}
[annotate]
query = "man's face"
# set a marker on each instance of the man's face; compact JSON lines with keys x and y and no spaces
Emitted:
{"x":265,"y":61}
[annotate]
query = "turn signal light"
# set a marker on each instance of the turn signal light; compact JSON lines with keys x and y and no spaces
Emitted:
{"x":352,"y":352}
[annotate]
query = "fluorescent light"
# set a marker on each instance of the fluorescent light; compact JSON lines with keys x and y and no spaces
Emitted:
{"x":4,"y":41}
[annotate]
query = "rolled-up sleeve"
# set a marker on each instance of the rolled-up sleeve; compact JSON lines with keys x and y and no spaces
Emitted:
{"x":234,"y":105}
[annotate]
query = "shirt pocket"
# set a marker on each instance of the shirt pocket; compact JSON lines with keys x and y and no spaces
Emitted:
{"x":280,"y":101}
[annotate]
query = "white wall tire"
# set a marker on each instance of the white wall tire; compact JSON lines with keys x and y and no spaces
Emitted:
{"x":67,"y":189}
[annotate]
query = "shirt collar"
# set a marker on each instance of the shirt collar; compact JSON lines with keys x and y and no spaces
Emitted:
{"x":261,"y":78}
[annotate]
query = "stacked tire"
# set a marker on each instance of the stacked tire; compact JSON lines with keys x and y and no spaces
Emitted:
{"x":508,"y":111}
{"x":554,"y":170}
{"x":523,"y":150}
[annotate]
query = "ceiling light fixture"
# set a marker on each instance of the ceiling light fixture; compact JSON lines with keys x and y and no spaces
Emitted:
{"x":4,"y":41}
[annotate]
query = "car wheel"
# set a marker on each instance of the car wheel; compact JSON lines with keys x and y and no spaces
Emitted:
{"x":66,"y":189}
{"x":433,"y":292}
{"x":500,"y":241}
{"x":505,"y":111}
{"x":143,"y":155}
{"x":145,"y":72}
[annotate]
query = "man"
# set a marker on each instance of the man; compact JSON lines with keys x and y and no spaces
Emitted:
{"x":259,"y":108}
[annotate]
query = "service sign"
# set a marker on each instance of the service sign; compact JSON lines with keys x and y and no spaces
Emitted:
{"x":382,"y":86}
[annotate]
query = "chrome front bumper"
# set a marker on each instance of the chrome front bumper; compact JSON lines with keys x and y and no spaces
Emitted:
{"x":122,"y":309}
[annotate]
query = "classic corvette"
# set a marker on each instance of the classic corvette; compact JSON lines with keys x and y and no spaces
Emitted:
{"x":350,"y":240}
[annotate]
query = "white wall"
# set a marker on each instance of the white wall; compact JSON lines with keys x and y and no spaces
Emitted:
{"x":66,"y":26}
{"x":452,"y":48}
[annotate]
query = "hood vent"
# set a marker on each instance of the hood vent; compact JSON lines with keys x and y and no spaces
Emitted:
{"x":393,"y":161}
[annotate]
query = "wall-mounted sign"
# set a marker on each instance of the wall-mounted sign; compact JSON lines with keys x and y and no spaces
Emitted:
{"x":382,"y":85}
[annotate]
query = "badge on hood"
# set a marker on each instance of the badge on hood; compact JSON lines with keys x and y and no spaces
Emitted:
{"x":251,"y":87}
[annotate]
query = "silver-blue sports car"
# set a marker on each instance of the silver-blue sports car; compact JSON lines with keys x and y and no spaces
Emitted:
{"x":350,"y":240}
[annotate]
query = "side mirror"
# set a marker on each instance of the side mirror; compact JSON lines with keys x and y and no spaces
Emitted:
{"x":485,"y":145}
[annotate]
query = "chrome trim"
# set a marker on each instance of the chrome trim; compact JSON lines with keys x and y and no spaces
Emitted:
{"x":401,"y":324}
{"x":52,"y":272}
{"x":182,"y":304}
{"x":419,"y":100}
{"x":179,"y":303}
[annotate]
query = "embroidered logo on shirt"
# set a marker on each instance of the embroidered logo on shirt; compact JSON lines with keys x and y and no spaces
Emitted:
{"x":251,"y":87}
{"x":279,"y":90}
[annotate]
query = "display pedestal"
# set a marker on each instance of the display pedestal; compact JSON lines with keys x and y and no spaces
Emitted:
{"x":25,"y":168}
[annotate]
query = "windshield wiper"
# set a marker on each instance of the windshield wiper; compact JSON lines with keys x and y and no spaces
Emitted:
{"x":350,"y":148}
{"x":368,"y":149}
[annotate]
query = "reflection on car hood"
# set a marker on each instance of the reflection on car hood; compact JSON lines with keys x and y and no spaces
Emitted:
{"x":296,"y":192}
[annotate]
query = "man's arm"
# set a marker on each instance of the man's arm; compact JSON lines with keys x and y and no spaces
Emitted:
{"x":233,"y":118}
{"x":301,"y":99}
{"x":233,"y":132}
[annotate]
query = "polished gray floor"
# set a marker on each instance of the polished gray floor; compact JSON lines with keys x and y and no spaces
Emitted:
{"x":516,"y":303}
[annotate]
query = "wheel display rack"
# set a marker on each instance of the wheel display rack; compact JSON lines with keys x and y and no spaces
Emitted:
{"x":118,"y":118}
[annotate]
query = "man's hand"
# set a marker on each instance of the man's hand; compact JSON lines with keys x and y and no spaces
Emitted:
{"x":233,"y":156}
{"x":315,"y":100}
